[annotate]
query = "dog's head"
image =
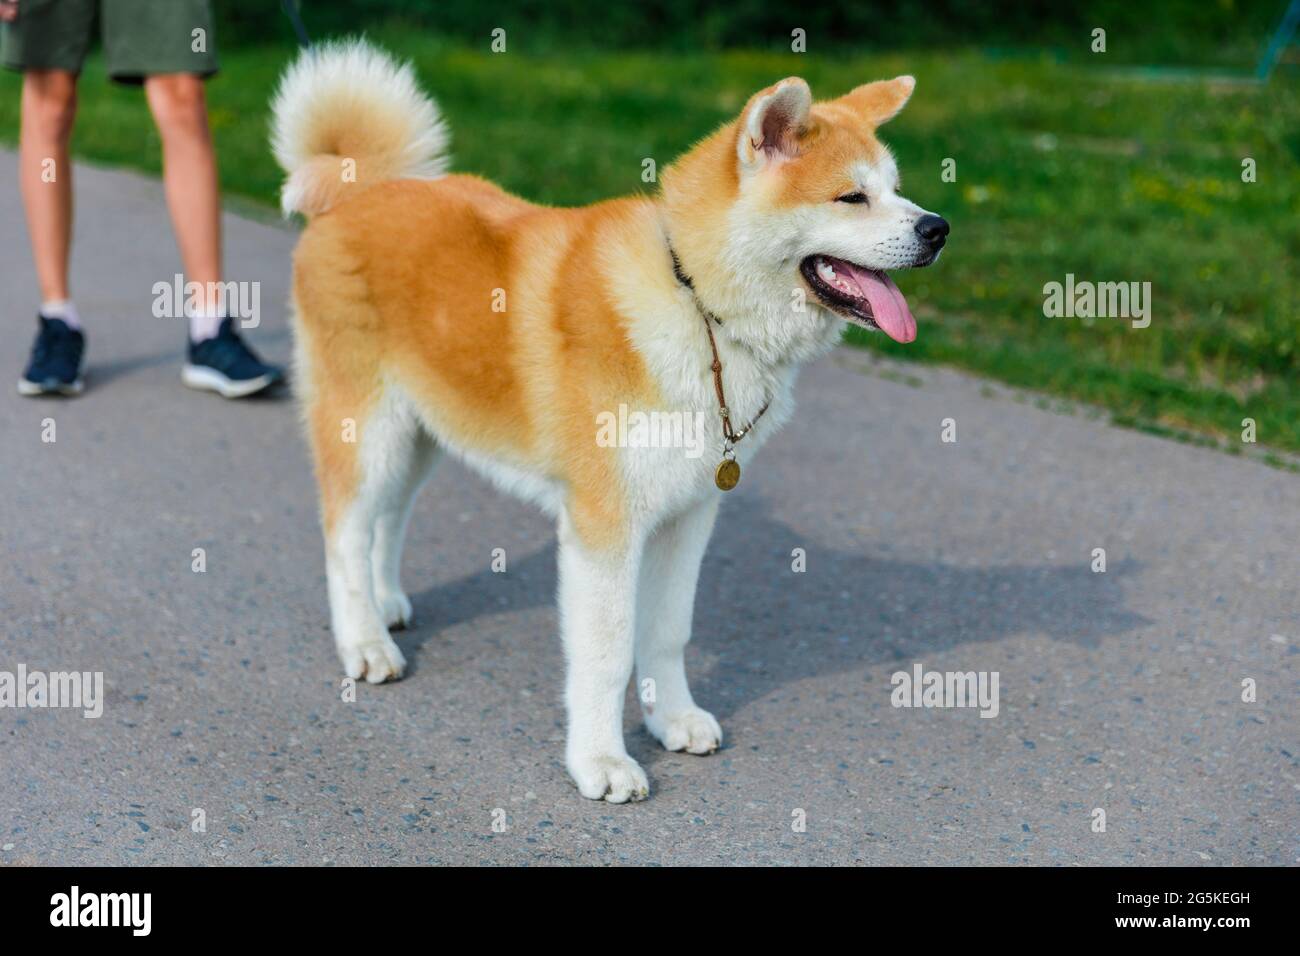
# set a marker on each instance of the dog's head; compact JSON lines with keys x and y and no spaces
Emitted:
{"x":813,"y":204}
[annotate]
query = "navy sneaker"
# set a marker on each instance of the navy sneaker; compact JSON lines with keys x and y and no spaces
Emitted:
{"x":55,"y":365}
{"x":226,"y":365}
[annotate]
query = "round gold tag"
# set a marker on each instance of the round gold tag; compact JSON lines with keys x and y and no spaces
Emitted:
{"x":728,"y":474}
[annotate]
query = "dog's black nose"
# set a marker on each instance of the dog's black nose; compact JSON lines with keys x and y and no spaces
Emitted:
{"x":933,"y":229}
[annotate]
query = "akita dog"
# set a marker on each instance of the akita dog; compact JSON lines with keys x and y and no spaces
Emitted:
{"x":439,"y":313}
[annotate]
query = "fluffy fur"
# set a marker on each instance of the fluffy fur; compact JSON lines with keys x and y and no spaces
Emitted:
{"x":348,"y":101}
{"x":443,"y":314}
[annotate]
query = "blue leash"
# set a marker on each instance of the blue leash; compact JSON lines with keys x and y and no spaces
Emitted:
{"x":291,"y":11}
{"x":1286,"y":31}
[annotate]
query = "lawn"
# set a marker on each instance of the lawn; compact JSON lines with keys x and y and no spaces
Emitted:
{"x":1061,"y":168}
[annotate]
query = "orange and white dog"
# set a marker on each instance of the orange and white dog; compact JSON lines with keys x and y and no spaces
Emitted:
{"x":439,"y":313}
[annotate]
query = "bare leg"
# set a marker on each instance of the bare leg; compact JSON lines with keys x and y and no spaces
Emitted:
{"x":180,"y":110}
{"x":49,"y":105}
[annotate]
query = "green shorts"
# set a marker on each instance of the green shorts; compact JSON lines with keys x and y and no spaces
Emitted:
{"x":141,"y":37}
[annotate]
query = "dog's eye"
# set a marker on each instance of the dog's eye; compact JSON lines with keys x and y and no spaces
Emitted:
{"x":853,"y":197}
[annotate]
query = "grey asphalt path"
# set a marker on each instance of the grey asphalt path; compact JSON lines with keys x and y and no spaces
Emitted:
{"x":1118,"y":690}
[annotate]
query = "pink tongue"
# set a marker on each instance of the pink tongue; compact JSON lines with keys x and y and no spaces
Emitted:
{"x":888,"y":307}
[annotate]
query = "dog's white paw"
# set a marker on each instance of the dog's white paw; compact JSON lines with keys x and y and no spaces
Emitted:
{"x":693,"y":730}
{"x":377,"y":659}
{"x":613,"y":777}
{"x":394,"y":608}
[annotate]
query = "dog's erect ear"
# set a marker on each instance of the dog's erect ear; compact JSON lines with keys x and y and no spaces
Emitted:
{"x":770,"y":125}
{"x":881,"y":101}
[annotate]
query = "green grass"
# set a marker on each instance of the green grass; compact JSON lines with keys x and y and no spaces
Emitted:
{"x":1061,"y":168}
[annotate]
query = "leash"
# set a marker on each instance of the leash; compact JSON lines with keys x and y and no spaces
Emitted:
{"x":290,"y":9}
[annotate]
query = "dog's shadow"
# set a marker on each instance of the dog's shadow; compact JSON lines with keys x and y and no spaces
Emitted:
{"x":760,"y":624}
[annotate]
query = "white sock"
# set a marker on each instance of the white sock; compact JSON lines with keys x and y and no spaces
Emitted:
{"x":62,"y":309}
{"x":204,"y":323}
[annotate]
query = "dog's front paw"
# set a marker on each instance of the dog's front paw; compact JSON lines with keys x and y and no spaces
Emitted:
{"x":394,"y":608}
{"x":693,"y":730}
{"x":377,"y":659}
{"x":613,"y":777}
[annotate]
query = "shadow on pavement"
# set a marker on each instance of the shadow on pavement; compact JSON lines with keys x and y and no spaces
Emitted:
{"x":764,"y":625}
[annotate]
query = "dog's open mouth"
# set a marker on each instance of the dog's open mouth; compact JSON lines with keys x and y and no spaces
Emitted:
{"x":866,"y":297}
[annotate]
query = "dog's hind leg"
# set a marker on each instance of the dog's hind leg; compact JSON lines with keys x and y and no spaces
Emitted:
{"x":410,"y":459}
{"x":357,"y":472}
{"x":666,"y":601}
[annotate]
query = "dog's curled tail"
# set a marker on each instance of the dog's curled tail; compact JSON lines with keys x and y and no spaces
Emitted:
{"x":347,"y":115}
